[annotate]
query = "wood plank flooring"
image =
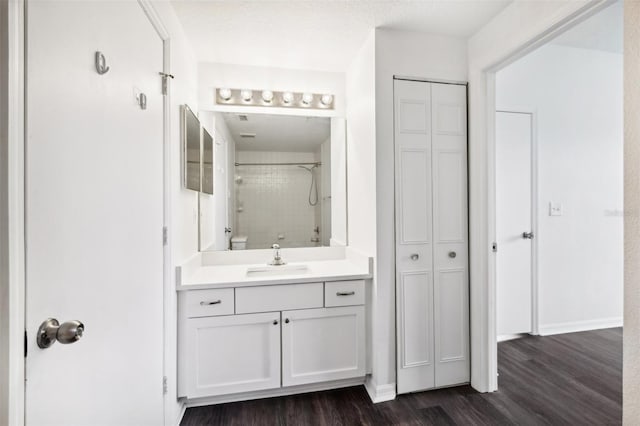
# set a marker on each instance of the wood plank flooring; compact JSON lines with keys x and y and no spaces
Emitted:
{"x":568,"y":379}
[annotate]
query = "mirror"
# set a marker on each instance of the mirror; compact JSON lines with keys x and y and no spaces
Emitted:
{"x":207,"y":162}
{"x":276,"y":179}
{"x":191,"y":148}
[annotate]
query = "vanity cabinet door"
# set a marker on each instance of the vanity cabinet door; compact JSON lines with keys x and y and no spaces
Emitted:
{"x":229,"y":354}
{"x":320,"y":345}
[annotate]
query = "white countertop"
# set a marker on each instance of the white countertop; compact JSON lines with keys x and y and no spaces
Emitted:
{"x":235,"y":275}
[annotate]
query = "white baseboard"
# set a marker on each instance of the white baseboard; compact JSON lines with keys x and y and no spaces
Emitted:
{"x":576,"y":326}
{"x":271,"y":393}
{"x":380,"y":393}
{"x":183,"y":409}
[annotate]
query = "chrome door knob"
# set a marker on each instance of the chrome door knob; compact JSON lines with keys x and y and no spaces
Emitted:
{"x":51,"y":330}
{"x":527,"y":235}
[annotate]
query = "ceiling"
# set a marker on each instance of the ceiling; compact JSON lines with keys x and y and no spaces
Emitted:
{"x":316,"y":34}
{"x":602,"y":31}
{"x":279,"y":133}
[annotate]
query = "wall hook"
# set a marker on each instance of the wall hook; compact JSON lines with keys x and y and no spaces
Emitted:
{"x":101,"y":63}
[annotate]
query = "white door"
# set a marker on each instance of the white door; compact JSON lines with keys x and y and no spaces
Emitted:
{"x":320,"y":345}
{"x":94,"y":213}
{"x":513,"y":218}
{"x":450,"y":234}
{"x":235,"y":353}
{"x":432,"y":289}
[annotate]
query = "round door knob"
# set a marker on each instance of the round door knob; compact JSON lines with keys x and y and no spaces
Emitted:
{"x":286,"y":321}
{"x":275,"y":322}
{"x":51,"y":330}
{"x":452,"y":254}
{"x":415,"y":256}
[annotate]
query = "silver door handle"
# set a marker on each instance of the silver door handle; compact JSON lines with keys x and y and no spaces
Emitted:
{"x":51,"y":331}
{"x":527,"y":235}
{"x":415,"y":256}
{"x":213,"y":302}
{"x":345,"y":293}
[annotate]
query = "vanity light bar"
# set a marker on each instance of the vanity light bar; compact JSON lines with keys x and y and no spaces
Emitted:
{"x":269,"y":98}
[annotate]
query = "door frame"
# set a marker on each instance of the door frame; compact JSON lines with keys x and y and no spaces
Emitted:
{"x":532,"y":112}
{"x":484,"y":343}
{"x":12,"y":213}
{"x":169,"y":310}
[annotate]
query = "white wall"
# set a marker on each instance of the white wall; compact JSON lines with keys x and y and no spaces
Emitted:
{"x":183,"y":232}
{"x":577,"y":94}
{"x":216,"y":75}
{"x":412,"y":54}
{"x":514,"y":31}
{"x":631,"y":346}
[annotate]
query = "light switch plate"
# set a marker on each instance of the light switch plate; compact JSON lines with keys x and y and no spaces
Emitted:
{"x":555,"y":209}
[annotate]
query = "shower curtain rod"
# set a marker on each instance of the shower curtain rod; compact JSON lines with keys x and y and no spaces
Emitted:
{"x":317,"y":163}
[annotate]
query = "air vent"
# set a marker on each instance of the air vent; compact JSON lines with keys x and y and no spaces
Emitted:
{"x":243,"y":117}
{"x":248,"y":135}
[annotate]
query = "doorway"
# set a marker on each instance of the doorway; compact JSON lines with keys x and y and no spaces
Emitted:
{"x":559,"y":179}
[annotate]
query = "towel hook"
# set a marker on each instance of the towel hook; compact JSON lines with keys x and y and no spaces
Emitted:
{"x":101,"y":63}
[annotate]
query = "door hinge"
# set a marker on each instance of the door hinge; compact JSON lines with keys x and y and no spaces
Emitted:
{"x":165,"y":236}
{"x":165,"y":386}
{"x":494,"y":247}
{"x":165,"y":82}
{"x":25,"y":343}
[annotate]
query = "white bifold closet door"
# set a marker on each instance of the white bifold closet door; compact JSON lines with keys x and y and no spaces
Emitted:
{"x":432,"y":279}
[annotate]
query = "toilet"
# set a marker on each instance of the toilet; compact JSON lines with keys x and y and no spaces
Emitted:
{"x":239,"y":242}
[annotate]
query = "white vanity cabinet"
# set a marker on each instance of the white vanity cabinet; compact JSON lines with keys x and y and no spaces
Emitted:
{"x":234,"y":353}
{"x":275,"y":336}
{"x":319,"y":345}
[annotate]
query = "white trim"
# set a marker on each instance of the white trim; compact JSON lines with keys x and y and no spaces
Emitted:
{"x":183,"y":410}
{"x":169,"y":294}
{"x":533,"y":116}
{"x":380,"y":393}
{"x":16,"y":211}
{"x":483,"y":291}
{"x":577,"y":326}
{"x":271,"y":393}
{"x":153,"y":16}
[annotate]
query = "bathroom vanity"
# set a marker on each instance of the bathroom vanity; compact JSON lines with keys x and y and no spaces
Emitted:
{"x":249,"y":330}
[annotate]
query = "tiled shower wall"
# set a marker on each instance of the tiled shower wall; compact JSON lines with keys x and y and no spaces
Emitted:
{"x":272,"y":201}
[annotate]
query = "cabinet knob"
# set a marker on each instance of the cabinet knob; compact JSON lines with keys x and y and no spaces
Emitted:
{"x":275,"y":322}
{"x":452,"y":254}
{"x":415,"y":256}
{"x":286,"y":321}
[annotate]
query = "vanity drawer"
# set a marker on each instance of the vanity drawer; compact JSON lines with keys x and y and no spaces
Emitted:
{"x":206,"y":303}
{"x":271,"y":298}
{"x":344,"y":293}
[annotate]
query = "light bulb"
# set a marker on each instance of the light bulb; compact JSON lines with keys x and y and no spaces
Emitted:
{"x":267,"y":96}
{"x":287,"y":97}
{"x":225,"y":94}
{"x":326,"y":100}
{"x":246,"y":95}
{"x":307,"y":98}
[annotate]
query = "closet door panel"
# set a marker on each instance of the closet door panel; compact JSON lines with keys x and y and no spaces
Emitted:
{"x":414,"y":236}
{"x":450,"y":230}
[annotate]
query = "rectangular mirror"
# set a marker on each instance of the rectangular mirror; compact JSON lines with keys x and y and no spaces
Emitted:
{"x":191,"y":149}
{"x":277,"y":179}
{"x":207,"y":162}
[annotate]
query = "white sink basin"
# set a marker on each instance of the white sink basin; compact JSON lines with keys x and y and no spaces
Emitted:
{"x":272,"y":270}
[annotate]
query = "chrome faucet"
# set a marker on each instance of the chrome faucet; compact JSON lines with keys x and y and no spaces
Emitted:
{"x":277,"y":259}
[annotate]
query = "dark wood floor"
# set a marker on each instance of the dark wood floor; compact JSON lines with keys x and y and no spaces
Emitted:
{"x":569,"y":379}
